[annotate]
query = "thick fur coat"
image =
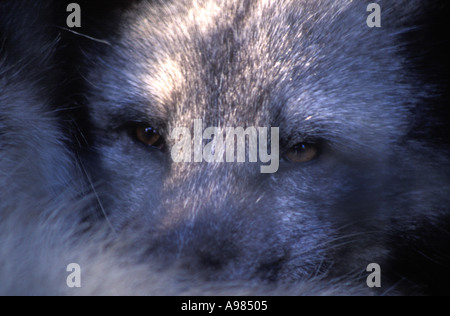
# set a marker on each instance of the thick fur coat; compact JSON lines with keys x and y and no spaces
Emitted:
{"x":77,"y":184}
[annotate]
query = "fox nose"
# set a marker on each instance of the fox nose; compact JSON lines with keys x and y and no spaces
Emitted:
{"x":213,"y":218}
{"x":206,"y":243}
{"x":228,"y":244}
{"x":209,"y":243}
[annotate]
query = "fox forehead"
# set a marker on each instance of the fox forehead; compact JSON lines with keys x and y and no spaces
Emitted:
{"x":164,"y":80}
{"x":233,"y":64}
{"x":197,"y":51}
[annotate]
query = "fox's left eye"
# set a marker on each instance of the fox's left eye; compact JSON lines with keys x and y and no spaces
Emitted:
{"x":303,"y":152}
{"x":150,"y":137}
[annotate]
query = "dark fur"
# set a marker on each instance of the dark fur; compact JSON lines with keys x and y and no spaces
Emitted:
{"x":76,"y":186}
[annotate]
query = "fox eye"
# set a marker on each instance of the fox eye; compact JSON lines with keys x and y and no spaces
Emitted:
{"x":303,"y":152}
{"x":150,"y":137}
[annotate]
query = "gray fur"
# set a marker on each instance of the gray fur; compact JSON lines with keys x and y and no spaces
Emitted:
{"x":312,"y":68}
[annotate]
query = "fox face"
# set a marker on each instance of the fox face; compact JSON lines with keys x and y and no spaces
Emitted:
{"x":335,"y":88}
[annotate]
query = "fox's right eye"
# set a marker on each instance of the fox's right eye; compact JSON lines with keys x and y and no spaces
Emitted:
{"x":149,"y":137}
{"x":303,"y":152}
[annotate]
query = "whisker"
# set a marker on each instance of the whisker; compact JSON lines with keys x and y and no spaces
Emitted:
{"x":85,"y":36}
{"x":91,"y":184}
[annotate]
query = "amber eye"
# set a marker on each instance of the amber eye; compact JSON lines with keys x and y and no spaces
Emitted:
{"x":150,"y":137}
{"x":302,"y":153}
